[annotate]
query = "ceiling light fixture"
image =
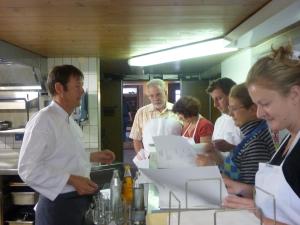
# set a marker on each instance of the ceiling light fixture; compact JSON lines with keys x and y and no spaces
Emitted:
{"x":205,"y":48}
{"x":14,"y":88}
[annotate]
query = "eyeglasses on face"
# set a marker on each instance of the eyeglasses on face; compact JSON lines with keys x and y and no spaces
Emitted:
{"x":235,"y":108}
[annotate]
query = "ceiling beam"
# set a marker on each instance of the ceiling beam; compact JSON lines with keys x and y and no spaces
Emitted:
{"x":271,"y":19}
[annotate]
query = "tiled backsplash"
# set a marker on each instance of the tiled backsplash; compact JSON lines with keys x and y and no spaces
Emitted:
{"x":10,"y":142}
{"x":13,"y":142}
{"x":90,"y":68}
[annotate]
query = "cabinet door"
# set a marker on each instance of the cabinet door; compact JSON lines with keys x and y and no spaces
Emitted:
{"x":111,"y":116}
{"x":196,"y":88}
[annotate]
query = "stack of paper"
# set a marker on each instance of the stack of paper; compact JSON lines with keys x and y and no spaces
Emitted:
{"x":174,"y":151}
{"x":205,"y":186}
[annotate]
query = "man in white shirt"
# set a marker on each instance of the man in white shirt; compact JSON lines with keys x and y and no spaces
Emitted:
{"x":226,"y":135}
{"x":53,"y":160}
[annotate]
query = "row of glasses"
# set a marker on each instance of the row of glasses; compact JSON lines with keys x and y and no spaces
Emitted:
{"x":101,"y":209}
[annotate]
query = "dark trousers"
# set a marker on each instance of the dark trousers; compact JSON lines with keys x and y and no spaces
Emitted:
{"x":66,"y":209}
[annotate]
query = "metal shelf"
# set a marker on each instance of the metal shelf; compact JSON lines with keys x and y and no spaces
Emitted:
{"x":13,"y":131}
{"x":18,"y":99}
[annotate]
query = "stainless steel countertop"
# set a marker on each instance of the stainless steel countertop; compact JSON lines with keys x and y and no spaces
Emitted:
{"x":94,"y":169}
{"x":8,"y":172}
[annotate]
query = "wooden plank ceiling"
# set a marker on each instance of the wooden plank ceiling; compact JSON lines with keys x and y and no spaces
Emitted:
{"x":117,"y":29}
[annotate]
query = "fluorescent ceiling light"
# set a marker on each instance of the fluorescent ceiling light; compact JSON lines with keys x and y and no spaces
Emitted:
{"x":11,"y":88}
{"x":198,"y":49}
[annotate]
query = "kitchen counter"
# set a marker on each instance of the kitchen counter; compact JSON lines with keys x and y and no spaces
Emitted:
{"x":8,"y":172}
{"x":95,"y":169}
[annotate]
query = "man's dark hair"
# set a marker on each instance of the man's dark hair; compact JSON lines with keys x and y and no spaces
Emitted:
{"x":224,"y":83}
{"x":62,"y":74}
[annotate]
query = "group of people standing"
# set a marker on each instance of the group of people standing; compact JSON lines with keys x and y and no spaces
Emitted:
{"x":54,"y":163}
{"x":240,"y":141}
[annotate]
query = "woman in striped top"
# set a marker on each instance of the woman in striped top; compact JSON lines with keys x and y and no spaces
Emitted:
{"x":256,"y":146}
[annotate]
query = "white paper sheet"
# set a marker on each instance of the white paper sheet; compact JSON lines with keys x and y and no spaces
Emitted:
{"x":144,"y":163}
{"x":205,"y":187}
{"x":200,"y":148}
{"x":174,"y":151}
{"x":159,"y":127}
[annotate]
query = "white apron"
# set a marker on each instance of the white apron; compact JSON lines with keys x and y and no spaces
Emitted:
{"x":271,"y":179}
{"x":191,"y":140}
{"x":158,"y":127}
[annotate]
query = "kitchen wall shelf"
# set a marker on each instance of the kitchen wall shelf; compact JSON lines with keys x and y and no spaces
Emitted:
{"x":13,"y":131}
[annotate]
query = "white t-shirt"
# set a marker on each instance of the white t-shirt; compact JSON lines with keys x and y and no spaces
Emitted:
{"x":51,"y":151}
{"x":225,"y":129}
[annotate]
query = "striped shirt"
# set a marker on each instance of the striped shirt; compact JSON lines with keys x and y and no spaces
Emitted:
{"x":259,"y":148}
{"x":144,"y":114}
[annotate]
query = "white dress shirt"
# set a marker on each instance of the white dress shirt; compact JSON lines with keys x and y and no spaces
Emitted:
{"x":225,"y":129}
{"x":51,"y":151}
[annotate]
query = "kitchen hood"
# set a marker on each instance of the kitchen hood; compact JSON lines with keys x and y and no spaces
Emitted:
{"x":15,"y":76}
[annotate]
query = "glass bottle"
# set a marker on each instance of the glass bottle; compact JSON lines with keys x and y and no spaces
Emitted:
{"x":99,"y":209}
{"x":127,"y":187}
{"x":115,"y":198}
{"x":138,"y":208}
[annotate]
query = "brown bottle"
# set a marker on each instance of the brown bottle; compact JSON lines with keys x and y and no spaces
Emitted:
{"x":127,"y":187}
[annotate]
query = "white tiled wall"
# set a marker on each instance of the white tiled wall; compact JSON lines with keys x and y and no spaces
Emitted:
{"x":90,"y":68}
{"x":9,"y":142}
{"x":19,"y":119}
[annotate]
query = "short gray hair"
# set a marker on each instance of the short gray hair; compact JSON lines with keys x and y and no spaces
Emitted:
{"x":157,"y":83}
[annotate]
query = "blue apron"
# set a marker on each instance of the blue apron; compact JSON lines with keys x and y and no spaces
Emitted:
{"x":229,"y":167}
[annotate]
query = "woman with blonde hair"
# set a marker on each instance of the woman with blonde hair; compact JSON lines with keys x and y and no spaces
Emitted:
{"x":274,"y":86}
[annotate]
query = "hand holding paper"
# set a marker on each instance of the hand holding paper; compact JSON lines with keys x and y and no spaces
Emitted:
{"x":205,"y":185}
{"x":141,"y":160}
